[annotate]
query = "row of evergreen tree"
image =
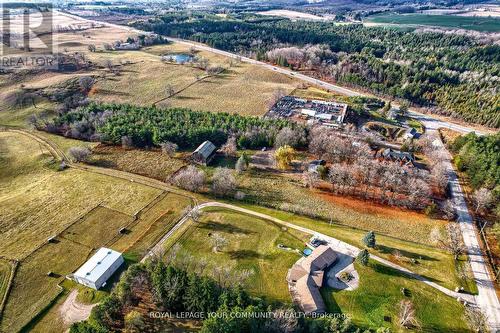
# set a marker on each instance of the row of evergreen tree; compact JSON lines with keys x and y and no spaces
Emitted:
{"x":455,"y":73}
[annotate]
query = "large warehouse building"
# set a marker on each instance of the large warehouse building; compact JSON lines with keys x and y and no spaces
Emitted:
{"x":99,"y":268}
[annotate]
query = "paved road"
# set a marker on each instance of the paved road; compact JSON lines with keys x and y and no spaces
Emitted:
{"x":330,"y":86}
{"x":487,"y":298}
{"x":337,"y":244}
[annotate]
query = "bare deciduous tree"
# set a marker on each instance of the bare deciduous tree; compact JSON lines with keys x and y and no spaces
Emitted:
{"x":452,"y":243}
{"x":229,"y":148}
{"x":483,"y":198}
{"x":86,"y":83}
{"x":79,"y":154}
{"x":407,"y":317}
{"x":218,"y":242}
{"x":190,"y":179}
{"x":196,"y":214}
{"x":289,"y":137}
{"x":169,"y":90}
{"x":223,"y":181}
{"x":448,"y":210}
{"x":310,"y":179}
{"x":169,"y":148}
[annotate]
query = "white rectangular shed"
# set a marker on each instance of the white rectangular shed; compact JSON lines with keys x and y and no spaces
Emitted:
{"x":98,"y":269}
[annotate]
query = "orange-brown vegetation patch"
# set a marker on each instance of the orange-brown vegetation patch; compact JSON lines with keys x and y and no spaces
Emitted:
{"x":373,"y":208}
{"x":448,"y":135}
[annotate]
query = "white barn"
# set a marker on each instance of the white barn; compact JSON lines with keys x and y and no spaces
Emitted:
{"x":99,"y":268}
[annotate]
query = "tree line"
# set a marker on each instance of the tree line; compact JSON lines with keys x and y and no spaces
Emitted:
{"x":152,"y":126}
{"x":451,"y":74}
{"x":159,"y":285}
{"x":479,"y":158}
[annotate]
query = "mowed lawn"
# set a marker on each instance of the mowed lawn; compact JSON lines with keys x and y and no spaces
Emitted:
{"x":378,"y":297}
{"x":252,"y":244}
{"x":424,"y":259}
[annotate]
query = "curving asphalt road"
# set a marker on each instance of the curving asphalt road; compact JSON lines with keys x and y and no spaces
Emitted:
{"x":487,"y":298}
{"x":337,"y":244}
{"x":436,"y":121}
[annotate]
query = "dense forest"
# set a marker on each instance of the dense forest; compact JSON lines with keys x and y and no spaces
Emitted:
{"x":151,"y":126}
{"x":479,"y":158}
{"x":451,"y":74}
{"x":161,"y":286}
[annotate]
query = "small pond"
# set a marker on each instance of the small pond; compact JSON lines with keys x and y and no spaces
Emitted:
{"x":180,"y":58}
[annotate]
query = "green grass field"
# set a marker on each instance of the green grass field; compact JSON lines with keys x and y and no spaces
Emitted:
{"x":252,"y":244}
{"x":428,"y":261}
{"x":484,"y":24}
{"x":379,"y":294}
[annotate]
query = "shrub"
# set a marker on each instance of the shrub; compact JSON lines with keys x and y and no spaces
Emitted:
{"x":80,"y":154}
{"x":363,"y":257}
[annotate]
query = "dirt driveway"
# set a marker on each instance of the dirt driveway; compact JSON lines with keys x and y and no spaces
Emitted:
{"x":71,"y":311}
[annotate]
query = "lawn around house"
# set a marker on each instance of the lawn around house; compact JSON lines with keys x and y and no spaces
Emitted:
{"x":252,"y":244}
{"x":379,"y":294}
{"x":430,"y":262}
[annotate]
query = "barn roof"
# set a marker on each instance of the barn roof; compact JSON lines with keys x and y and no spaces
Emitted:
{"x":98,"y":264}
{"x":206,"y":149}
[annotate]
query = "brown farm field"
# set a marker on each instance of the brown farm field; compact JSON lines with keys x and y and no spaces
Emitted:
{"x":6,"y":269}
{"x":149,"y":163}
{"x":83,"y":210}
{"x":242,"y":88}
